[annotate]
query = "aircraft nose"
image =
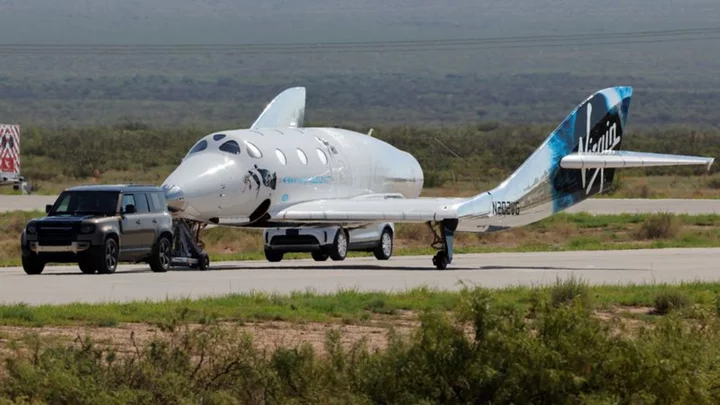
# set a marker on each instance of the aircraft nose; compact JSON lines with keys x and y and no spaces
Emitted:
{"x":175,"y":197}
{"x":196,"y":187}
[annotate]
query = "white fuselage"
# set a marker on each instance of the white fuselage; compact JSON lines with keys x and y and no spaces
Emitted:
{"x":217,"y":184}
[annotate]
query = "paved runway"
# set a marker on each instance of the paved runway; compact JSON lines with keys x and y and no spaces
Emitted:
{"x":25,"y":202}
{"x":67,"y":284}
{"x":593,"y":205}
{"x":621,"y":206}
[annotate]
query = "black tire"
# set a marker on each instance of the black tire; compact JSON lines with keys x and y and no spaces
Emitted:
{"x":107,"y":261}
{"x":203,"y":261}
{"x":161,"y":255}
{"x":384,"y":249}
{"x":273,"y":256}
{"x":32,"y":264}
{"x":338,"y":252}
{"x":440,"y":260}
{"x":320,"y":256}
{"x":87,"y":266}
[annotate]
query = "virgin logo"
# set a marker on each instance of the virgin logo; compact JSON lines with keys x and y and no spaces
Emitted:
{"x":606,"y":143}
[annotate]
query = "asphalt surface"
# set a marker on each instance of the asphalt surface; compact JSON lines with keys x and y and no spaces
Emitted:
{"x":136,"y":282}
{"x":621,"y":206}
{"x":25,"y":202}
{"x":594,"y":206}
{"x":66,"y":284}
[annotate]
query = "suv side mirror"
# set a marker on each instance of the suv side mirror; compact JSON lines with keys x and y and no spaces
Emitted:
{"x":130,"y":209}
{"x":48,"y":208}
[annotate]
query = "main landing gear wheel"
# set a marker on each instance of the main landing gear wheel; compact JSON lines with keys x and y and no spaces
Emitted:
{"x":440,"y":260}
{"x":444,"y":242}
{"x":384,"y":250}
{"x":338,"y":252}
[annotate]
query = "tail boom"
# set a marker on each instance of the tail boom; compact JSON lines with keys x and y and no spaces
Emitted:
{"x":577,"y":161}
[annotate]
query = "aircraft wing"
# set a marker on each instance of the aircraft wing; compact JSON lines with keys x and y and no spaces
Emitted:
{"x":626,"y":159}
{"x":287,"y":110}
{"x":371,"y":209}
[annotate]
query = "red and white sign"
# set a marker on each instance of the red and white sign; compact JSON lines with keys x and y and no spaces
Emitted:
{"x":9,"y":149}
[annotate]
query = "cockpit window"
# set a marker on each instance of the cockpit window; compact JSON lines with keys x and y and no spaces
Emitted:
{"x":200,"y":146}
{"x":218,"y":137}
{"x":230,"y":147}
{"x":253,"y":151}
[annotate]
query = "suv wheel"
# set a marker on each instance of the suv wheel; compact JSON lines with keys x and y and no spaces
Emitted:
{"x":320,"y":256}
{"x":32,"y":264}
{"x":339,"y":246}
{"x":161,"y":255}
{"x":87,"y":266}
{"x":273,"y":256}
{"x":108,"y":261}
{"x":384,"y":250}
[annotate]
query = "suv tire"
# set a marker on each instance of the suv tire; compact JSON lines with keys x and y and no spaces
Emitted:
{"x":87,"y":266}
{"x":273,"y":256}
{"x":32,"y":264}
{"x":384,"y":250}
{"x":108,"y":260}
{"x":161,"y":255}
{"x":320,"y":256}
{"x":339,"y":249}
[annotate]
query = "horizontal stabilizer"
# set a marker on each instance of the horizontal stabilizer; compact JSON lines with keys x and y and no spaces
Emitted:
{"x":627,"y":159}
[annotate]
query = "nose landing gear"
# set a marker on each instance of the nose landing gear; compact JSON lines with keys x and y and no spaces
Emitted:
{"x":444,"y":241}
{"x":188,"y":249}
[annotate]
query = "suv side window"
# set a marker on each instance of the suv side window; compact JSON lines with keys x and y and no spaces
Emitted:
{"x":142,"y":203}
{"x":156,"y":203}
{"x":128,"y":199}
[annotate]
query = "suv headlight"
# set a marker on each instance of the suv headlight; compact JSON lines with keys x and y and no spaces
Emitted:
{"x":87,"y":228}
{"x":31,"y":228}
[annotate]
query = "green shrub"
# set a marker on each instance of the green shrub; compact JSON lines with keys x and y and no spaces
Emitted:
{"x":667,"y":301}
{"x":660,"y":226}
{"x":569,"y":290}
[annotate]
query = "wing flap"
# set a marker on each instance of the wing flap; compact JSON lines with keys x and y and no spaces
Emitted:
{"x":287,"y":110}
{"x":371,"y":209}
{"x":627,"y":159}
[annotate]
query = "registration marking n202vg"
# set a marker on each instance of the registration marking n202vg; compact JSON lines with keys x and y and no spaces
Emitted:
{"x":506,"y":208}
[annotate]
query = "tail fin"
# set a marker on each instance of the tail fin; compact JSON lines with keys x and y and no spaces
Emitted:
{"x":579,"y":158}
{"x":286,"y":110}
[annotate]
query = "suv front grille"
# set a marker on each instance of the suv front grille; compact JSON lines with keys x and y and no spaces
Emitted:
{"x":58,"y":233}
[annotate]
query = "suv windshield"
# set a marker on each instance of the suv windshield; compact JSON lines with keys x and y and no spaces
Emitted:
{"x":86,"y":202}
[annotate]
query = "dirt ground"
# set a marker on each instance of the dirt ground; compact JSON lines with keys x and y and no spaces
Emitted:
{"x":269,"y":334}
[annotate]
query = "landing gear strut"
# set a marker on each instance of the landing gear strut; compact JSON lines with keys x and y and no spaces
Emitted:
{"x":444,"y":239}
{"x":187,"y":247}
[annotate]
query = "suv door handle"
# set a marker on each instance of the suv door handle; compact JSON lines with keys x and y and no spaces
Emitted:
{"x":154,"y":221}
{"x":137,"y":222}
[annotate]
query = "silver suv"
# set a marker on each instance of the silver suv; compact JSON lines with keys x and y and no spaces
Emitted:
{"x":98,"y":226}
{"x":333,"y":242}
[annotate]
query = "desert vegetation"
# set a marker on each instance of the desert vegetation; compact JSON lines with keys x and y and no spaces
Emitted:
{"x":566,"y":343}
